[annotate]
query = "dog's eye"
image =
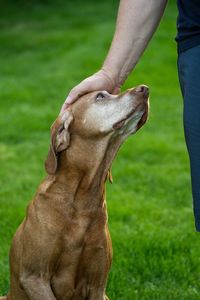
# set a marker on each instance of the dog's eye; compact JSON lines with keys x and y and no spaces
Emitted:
{"x":100,"y":96}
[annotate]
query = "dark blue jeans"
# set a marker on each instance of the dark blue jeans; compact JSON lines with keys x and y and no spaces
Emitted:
{"x":189,"y":77}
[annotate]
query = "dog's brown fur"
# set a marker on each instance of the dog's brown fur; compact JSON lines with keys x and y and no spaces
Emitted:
{"x":62,"y":250}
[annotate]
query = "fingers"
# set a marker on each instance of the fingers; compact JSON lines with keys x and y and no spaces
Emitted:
{"x":98,"y":81}
{"x":64,"y":107}
{"x":86,"y":86}
{"x":73,"y":95}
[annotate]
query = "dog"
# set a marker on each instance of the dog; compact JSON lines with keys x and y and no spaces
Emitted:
{"x":62,"y":250}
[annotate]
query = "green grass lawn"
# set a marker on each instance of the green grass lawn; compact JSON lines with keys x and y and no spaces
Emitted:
{"x":46,"y":48}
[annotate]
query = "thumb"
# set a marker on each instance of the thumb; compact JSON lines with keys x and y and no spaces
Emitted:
{"x":116,"y":90}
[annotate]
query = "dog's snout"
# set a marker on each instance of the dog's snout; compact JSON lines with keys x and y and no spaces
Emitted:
{"x":142,"y":89}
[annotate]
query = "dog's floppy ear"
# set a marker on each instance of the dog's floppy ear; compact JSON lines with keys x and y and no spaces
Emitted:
{"x":60,"y":139}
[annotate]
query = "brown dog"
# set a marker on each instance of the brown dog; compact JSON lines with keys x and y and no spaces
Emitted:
{"x":62,"y":250}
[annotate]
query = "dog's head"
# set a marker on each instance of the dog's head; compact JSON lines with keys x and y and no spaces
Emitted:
{"x":96,"y":115}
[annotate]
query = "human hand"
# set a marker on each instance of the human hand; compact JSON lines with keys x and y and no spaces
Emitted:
{"x":102,"y":80}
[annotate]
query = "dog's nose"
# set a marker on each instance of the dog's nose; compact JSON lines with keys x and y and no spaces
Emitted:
{"x":142,"y":89}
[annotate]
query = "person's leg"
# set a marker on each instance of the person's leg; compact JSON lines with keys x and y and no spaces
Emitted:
{"x":189,"y":77}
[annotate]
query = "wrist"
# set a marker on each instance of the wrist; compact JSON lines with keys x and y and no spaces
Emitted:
{"x":111,"y":75}
{"x":118,"y":77}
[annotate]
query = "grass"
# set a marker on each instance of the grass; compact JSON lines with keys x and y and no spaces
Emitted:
{"x":48,"y":47}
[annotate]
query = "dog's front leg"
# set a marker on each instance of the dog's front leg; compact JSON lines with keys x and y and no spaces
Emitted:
{"x":37,"y":288}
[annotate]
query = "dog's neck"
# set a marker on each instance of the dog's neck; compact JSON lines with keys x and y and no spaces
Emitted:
{"x":82,"y":170}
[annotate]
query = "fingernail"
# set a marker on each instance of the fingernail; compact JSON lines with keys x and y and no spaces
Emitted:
{"x":68,"y":99}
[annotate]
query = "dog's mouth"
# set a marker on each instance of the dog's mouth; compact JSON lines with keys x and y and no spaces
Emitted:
{"x":132,"y":120}
{"x":138,"y":115}
{"x":121,"y":123}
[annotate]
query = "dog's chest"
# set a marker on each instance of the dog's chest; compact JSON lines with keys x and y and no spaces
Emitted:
{"x":83,"y":239}
{"x":81,"y":223}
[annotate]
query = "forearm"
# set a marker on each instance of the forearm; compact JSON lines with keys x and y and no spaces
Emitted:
{"x":136,"y":22}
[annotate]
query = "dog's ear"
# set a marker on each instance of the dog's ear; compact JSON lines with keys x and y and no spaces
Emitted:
{"x":60,"y":140}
